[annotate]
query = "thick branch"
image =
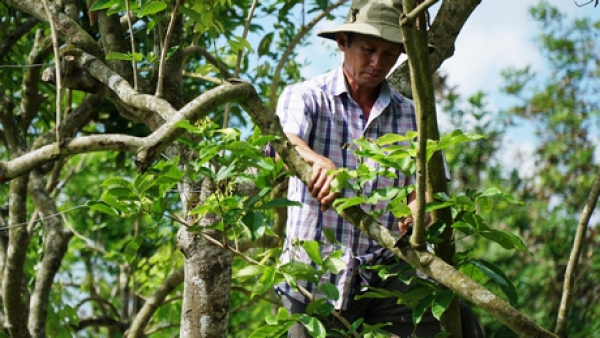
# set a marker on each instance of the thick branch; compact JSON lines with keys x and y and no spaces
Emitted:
{"x":154,"y":302}
{"x":586,"y":215}
{"x":56,"y":242}
{"x":418,"y":59}
{"x":123,"y":89}
{"x":18,"y":240}
{"x":35,"y":158}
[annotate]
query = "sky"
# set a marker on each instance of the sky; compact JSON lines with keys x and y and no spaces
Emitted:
{"x":498,"y":34}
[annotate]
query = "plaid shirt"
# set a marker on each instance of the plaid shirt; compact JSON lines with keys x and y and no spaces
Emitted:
{"x":322,"y":113}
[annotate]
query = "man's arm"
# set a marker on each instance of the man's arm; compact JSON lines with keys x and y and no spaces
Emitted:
{"x":319,"y":185}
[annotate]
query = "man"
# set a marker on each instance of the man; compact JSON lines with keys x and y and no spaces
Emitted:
{"x":322,"y":117}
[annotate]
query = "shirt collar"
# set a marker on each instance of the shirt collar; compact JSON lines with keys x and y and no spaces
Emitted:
{"x":340,"y":87}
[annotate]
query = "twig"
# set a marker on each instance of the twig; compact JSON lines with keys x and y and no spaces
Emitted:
{"x":216,"y":242}
{"x":57,"y":67}
{"x":410,"y":17}
{"x":161,"y":328}
{"x":132,"y":39}
{"x":334,"y":313}
{"x":165,"y":50}
{"x":238,"y":62}
{"x":286,"y":54}
{"x":561,"y":323}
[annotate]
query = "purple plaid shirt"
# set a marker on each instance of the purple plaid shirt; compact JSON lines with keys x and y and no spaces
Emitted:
{"x":322,"y":113}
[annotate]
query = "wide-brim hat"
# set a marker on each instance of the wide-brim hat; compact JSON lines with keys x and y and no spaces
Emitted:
{"x":380,"y":18}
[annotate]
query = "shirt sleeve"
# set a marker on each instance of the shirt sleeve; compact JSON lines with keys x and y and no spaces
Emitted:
{"x":294,"y":110}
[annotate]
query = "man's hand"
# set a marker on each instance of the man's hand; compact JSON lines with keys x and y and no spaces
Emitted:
{"x":406,"y":222}
{"x":319,"y":185}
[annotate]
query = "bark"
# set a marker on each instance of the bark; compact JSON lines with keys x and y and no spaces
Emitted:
{"x":32,"y":99}
{"x":207,"y":281}
{"x":56,"y":241}
{"x":14,"y":295}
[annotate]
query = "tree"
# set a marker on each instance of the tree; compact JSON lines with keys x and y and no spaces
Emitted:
{"x":149,"y":79}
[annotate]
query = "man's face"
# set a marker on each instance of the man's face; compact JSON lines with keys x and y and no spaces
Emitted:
{"x":367,"y":59}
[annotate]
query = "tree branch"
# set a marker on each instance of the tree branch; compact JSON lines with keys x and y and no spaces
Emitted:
{"x":56,"y":242}
{"x":35,"y":158}
{"x":165,"y":50}
{"x":9,"y":40}
{"x":66,"y":28}
{"x":586,"y":215}
{"x":32,"y":99}
{"x":99,"y":321}
{"x":123,"y":89}
{"x":210,"y":58}
{"x":59,"y":83}
{"x":152,"y":304}
{"x":410,"y":17}
{"x":443,"y":33}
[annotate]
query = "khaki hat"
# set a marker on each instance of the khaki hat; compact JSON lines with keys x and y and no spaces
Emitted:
{"x":380,"y":18}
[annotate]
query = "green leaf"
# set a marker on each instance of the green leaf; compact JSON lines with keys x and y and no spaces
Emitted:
{"x":152,"y":8}
{"x":185,"y":124}
{"x":392,"y":138}
{"x":266,"y":281}
{"x":117,"y":181}
{"x":506,"y":239}
{"x":314,"y":326}
{"x":131,"y":250}
{"x":345,"y":203}
{"x":250,"y":271}
{"x":441,"y":302}
{"x":192,"y":14}
{"x":121,"y":193}
{"x":313,"y":251}
{"x":143,"y":182}
{"x":330,"y":236}
{"x":300,"y":271}
{"x":98,"y":206}
{"x":499,"y":277}
{"x":271,"y":331}
{"x":421,"y":308}
{"x":264,"y":47}
{"x":255,"y":221}
{"x":279,"y":203}
{"x":334,"y":262}
{"x":319,"y":307}
{"x":104,"y":4}
{"x":119,"y":56}
{"x":330,"y":290}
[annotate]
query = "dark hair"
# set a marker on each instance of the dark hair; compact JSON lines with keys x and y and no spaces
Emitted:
{"x":349,"y":36}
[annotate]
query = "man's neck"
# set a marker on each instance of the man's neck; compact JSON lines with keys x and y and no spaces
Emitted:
{"x":365,"y":98}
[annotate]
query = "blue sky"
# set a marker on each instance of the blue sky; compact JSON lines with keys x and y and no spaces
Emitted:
{"x":499,"y":34}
